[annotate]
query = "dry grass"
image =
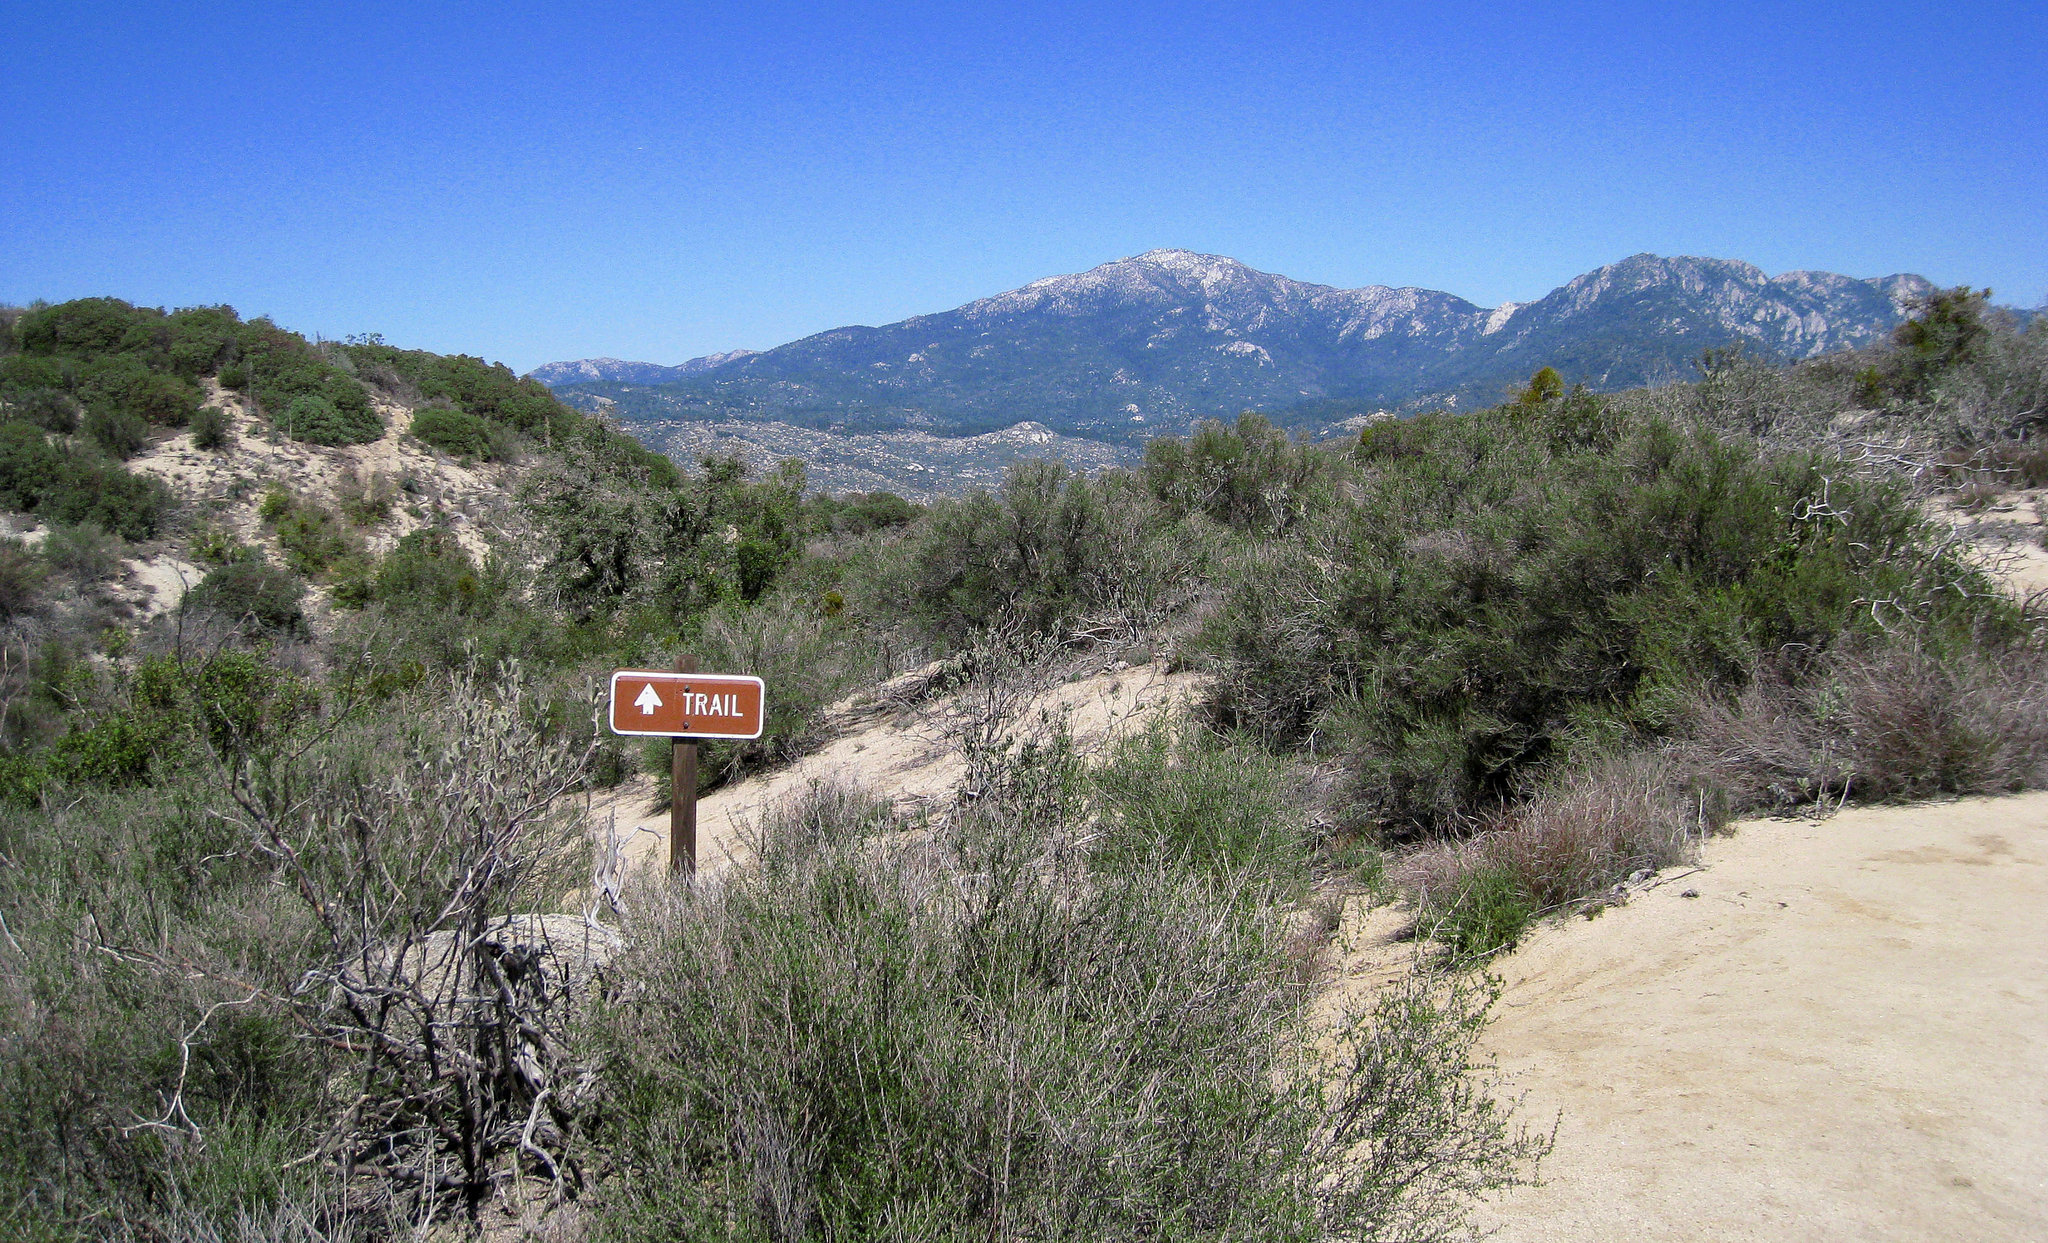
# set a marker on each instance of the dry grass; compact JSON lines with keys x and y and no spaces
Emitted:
{"x":1887,"y":724}
{"x":1623,"y":813}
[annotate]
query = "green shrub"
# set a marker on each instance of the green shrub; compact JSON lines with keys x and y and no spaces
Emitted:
{"x":618,"y":534}
{"x":312,"y":538}
{"x":23,"y":779}
{"x":81,"y":326}
{"x":308,"y":534}
{"x":486,"y":391}
{"x":84,"y":552}
{"x":162,"y":400}
{"x":1545,"y":386}
{"x":198,"y":338}
{"x":128,"y":383}
{"x":216,"y":545}
{"x":21,"y":579}
{"x":253,"y":591}
{"x":1509,"y":582}
{"x":47,"y":408}
{"x":811,"y":661}
{"x":611,"y":766}
{"x":234,"y":376}
{"x":1249,"y":475}
{"x":118,"y":433}
{"x":427,"y":605}
{"x":119,"y":749}
{"x":858,"y":513}
{"x":231,"y":701}
{"x":1195,"y":803}
{"x":457,"y":434}
{"x":352,"y":584}
{"x":96,"y":1043}
{"x":211,"y":430}
{"x":1488,"y":914}
{"x":34,"y":371}
{"x":60,"y":485}
{"x":428,"y":572}
{"x":950,"y":1035}
{"x":1039,"y":551}
{"x":1944,"y":331}
{"x":304,"y":395}
{"x":316,"y":419}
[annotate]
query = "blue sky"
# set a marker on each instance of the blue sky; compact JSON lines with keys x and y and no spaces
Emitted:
{"x":537,"y":182}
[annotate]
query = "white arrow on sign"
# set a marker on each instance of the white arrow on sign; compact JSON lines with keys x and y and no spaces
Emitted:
{"x":648,"y":700}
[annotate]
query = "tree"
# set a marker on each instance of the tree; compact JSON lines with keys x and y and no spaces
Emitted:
{"x":1946,"y":329}
{"x":1545,"y":387}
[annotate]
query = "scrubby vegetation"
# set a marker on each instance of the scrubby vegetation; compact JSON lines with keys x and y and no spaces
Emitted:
{"x":63,"y":483}
{"x":274,"y":868}
{"x":850,"y":1042}
{"x":453,"y":432}
{"x":469,"y":386}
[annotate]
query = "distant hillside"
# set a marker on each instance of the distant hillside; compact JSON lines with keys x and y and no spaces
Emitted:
{"x":1150,"y":344}
{"x":913,"y":464}
{"x":619,"y":371}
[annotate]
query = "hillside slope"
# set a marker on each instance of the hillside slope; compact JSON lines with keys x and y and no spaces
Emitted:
{"x":425,"y":489}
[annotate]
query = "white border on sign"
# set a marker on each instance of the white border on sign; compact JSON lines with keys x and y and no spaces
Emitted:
{"x":665,"y":674}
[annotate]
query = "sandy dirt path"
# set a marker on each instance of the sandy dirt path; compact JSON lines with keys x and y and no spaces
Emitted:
{"x":906,"y":756}
{"x":1844,"y":1035}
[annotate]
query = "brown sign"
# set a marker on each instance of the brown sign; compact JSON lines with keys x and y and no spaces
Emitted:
{"x":697,"y":705}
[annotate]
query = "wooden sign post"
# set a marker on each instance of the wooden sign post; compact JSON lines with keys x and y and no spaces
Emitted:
{"x":686,"y":706}
{"x":682,"y":793}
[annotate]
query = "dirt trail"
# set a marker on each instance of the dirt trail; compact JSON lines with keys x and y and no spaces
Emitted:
{"x":2008,"y":534}
{"x":1844,"y":1035}
{"x":906,"y":754}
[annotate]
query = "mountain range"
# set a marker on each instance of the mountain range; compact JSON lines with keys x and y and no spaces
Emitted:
{"x":618,"y":370}
{"x":1151,"y":344}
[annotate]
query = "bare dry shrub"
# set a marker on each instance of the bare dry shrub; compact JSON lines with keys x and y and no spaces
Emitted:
{"x":420,"y":850}
{"x":2000,"y":391}
{"x":1978,"y":495}
{"x":1895,"y":722}
{"x":1969,"y":422}
{"x":1991,"y":470}
{"x":387,"y":380}
{"x":364,"y":497}
{"x":1413,"y":1130}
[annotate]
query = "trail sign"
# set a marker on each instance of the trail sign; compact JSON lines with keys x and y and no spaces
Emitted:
{"x":686,"y":705}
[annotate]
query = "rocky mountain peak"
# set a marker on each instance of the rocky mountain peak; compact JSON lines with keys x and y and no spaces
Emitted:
{"x":1152,"y":342}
